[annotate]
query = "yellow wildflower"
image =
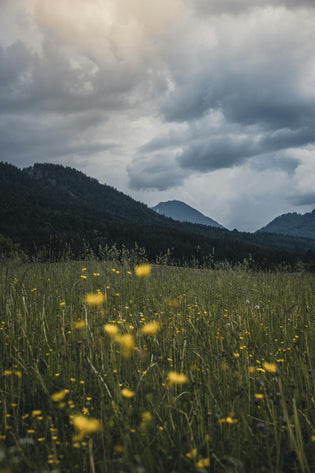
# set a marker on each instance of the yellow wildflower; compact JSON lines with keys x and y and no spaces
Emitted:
{"x":127,"y":342}
{"x":203,"y":462}
{"x":60,"y":395}
{"x":258,"y":396}
{"x":192,"y":454}
{"x":127,"y":393}
{"x":151,"y":328}
{"x":80,"y":324}
{"x":146,"y":416}
{"x":176,"y":378}
{"x":111,"y":329}
{"x":143,"y":270}
{"x":85,"y":426}
{"x":95,"y":299}
{"x":270,"y":367}
{"x":231,"y":420}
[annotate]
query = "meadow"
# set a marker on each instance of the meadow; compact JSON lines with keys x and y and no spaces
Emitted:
{"x":162,"y":369}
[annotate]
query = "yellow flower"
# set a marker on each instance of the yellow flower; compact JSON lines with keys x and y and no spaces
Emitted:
{"x":111,"y":329}
{"x":60,"y":395}
{"x":176,"y":378}
{"x":95,"y":299}
{"x":228,"y":420}
{"x":85,"y":426}
{"x":127,"y":393}
{"x":192,"y":454}
{"x":127,"y":343}
{"x":143,"y":270}
{"x":80,"y":324}
{"x":203,"y":462}
{"x":258,"y":396}
{"x":270,"y":367}
{"x":146,"y":416}
{"x":151,"y":328}
{"x":231,"y":420}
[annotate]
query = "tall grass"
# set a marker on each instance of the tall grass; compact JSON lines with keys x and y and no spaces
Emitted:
{"x":244,"y":341}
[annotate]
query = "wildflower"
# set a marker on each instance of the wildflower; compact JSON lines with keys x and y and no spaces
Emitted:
{"x":127,"y":343}
{"x":231,"y":420}
{"x":118,"y":448}
{"x":192,"y":454}
{"x":95,"y":299}
{"x":228,"y":420}
{"x":203,"y":462}
{"x":146,"y":416}
{"x":143,"y":270}
{"x":127,"y":393}
{"x":151,"y":328}
{"x":85,"y":426}
{"x":111,"y":329}
{"x":176,"y":378}
{"x":258,"y":396}
{"x":80,"y":324}
{"x":260,"y":426}
{"x":60,"y":395}
{"x":270,"y":367}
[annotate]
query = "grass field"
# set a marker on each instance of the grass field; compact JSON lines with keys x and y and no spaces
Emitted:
{"x":181,"y":370}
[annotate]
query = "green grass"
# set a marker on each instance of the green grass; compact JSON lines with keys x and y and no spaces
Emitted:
{"x":216,"y":327}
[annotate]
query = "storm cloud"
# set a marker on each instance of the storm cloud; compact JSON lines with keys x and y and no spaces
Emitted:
{"x":155,"y":98}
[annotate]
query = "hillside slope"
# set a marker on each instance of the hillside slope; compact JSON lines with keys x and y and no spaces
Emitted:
{"x":293,"y":224}
{"x":182,"y":212}
{"x":62,"y":208}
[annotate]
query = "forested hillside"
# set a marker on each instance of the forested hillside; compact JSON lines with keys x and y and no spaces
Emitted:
{"x":52,"y":209}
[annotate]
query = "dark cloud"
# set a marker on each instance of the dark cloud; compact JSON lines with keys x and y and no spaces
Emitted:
{"x":303,"y":199}
{"x":217,"y":153}
{"x":27,"y":139}
{"x":158,"y":172}
{"x":233,"y":7}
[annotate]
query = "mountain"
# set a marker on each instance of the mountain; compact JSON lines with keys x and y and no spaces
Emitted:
{"x":182,"y":212}
{"x":57,"y":211}
{"x":72,"y":186}
{"x":293,"y":224}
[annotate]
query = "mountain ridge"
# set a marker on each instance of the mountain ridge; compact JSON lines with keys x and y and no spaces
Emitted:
{"x":292,"y":224}
{"x":53,"y":207}
{"x":178,"y":210}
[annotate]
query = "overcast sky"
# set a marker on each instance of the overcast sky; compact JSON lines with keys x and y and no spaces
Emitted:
{"x":211,"y":102}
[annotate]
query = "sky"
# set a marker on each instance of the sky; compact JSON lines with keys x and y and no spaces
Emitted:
{"x":211,"y":102}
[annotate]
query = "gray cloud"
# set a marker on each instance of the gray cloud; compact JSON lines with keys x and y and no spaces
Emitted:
{"x":158,"y":173}
{"x":159,"y":97}
{"x":303,"y":199}
{"x":215,"y":7}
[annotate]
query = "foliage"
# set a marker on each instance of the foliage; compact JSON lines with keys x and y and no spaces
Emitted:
{"x":56,"y":210}
{"x":180,"y":370}
{"x":293,"y":224}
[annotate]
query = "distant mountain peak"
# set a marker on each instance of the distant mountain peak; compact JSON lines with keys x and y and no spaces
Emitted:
{"x":293,"y":224}
{"x":178,"y":210}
